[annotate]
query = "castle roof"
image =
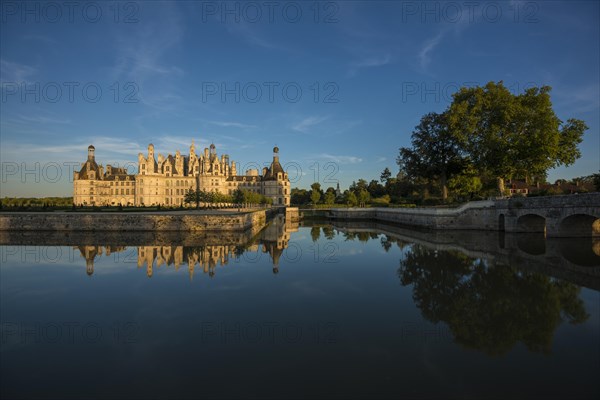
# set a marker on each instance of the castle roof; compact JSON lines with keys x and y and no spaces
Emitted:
{"x":170,"y":160}
{"x":89,"y":165}
{"x":272,"y":172}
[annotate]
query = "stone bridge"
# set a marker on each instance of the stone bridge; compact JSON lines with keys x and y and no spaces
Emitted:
{"x":575,"y":215}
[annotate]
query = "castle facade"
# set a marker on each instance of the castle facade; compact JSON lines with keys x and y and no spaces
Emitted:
{"x":165,"y":180}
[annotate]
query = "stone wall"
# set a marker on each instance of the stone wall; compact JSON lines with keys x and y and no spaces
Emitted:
{"x":556,"y":216}
{"x":478,"y":215}
{"x":171,"y":221}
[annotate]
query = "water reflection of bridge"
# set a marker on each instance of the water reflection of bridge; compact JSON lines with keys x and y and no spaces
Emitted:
{"x":572,"y":259}
{"x":206,"y":254}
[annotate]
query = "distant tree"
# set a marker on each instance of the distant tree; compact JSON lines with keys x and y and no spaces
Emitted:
{"x":385,"y":175}
{"x":356,"y":186}
{"x":300,"y":196}
{"x":350,"y":198}
{"x":315,"y":193}
{"x":375,"y":189}
{"x":329,"y":198}
{"x":193,"y":196}
{"x":363,"y":197}
{"x":238,"y":196}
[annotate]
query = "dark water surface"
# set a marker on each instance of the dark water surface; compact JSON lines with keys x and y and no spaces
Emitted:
{"x":351,"y":310}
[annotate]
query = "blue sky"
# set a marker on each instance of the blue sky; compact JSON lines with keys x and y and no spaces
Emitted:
{"x":338,"y":90}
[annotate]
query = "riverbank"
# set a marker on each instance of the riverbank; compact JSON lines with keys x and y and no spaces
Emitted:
{"x":187,"y":221}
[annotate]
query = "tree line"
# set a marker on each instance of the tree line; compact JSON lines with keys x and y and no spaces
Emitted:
{"x":35,"y":202}
{"x":239,"y":196}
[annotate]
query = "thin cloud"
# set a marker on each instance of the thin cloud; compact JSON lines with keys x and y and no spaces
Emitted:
{"x":368,"y":62}
{"x":340,"y":159}
{"x":232,"y":124}
{"x":427,"y":49}
{"x":15,"y":72}
{"x":250,"y":33}
{"x":38,"y":119}
{"x":307,"y":123}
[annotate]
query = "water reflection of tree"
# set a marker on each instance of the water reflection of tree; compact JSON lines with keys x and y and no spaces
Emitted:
{"x":362,"y":236}
{"x":489,"y":308}
{"x":315,"y":233}
{"x":328,"y":232}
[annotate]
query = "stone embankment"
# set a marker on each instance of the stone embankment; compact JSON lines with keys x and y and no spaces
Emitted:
{"x":576,"y":215}
{"x":474,"y":215}
{"x":188,"y":221}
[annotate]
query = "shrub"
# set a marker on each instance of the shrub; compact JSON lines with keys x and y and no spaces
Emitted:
{"x":382,"y":201}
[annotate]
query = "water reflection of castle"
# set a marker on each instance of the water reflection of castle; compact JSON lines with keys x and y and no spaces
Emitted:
{"x":273,"y":240}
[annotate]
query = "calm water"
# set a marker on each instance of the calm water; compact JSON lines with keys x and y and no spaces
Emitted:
{"x":351,"y":310}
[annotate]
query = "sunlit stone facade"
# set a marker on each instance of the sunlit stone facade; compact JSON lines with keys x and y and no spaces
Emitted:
{"x":165,"y":180}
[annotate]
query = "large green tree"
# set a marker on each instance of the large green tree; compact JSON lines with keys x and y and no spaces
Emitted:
{"x":436,"y":152}
{"x":508,"y":135}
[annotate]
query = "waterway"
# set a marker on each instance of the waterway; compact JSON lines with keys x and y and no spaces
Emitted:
{"x":351,"y":310}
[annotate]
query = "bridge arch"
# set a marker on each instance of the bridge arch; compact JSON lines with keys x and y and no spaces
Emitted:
{"x":578,"y":225}
{"x":501,"y":223}
{"x":531,"y":223}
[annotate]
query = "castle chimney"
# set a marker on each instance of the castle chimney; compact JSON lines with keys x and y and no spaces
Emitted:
{"x":91,"y":150}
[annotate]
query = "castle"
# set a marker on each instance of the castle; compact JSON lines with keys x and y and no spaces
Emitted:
{"x":165,"y":180}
